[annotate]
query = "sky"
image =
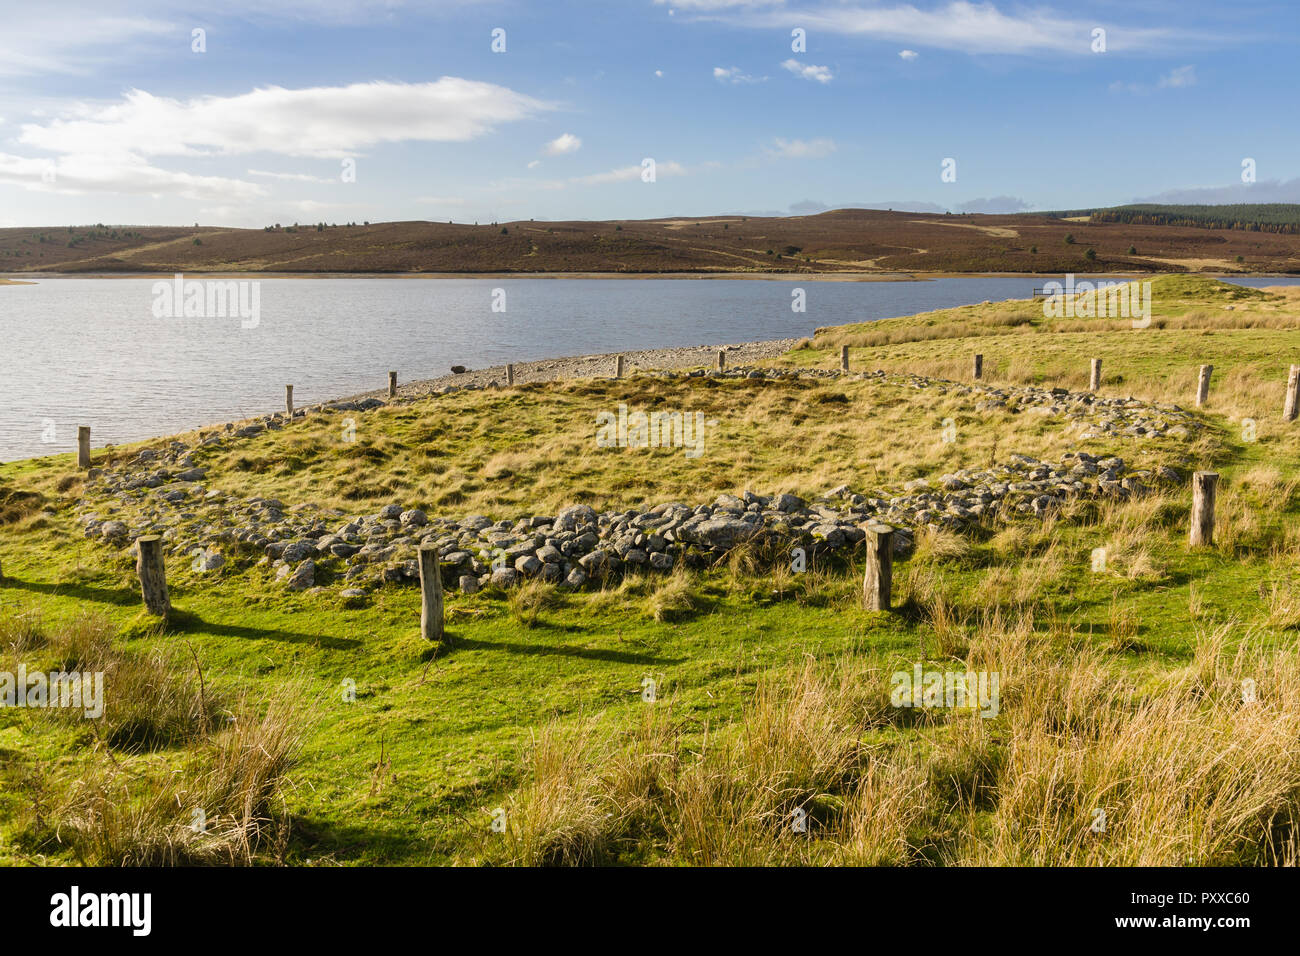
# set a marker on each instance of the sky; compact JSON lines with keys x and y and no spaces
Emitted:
{"x":156,"y":112}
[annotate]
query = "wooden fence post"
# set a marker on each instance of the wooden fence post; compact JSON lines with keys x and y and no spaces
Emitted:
{"x":618,"y":367}
{"x":1203,"y":385}
{"x":977,"y":367}
{"x":153,"y":575}
{"x":1292,"y":395}
{"x":510,"y":375}
{"x":844,"y":358}
{"x":1202,"y":531}
{"x":878,"y":579}
{"x":1094,"y":375}
{"x":288,"y":400}
{"x":83,"y":446}
{"x":430,"y":593}
{"x":392,"y":384}
{"x":722,"y":360}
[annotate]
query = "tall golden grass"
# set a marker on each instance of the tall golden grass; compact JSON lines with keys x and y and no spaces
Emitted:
{"x":1081,"y":767}
{"x":177,"y":773}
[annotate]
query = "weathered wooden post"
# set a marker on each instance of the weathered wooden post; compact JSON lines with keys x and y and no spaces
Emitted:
{"x":1202,"y":532}
{"x":844,"y":358}
{"x":618,"y":367}
{"x":722,"y":360}
{"x":153,"y":575}
{"x":288,"y":400}
{"x":430,"y":593}
{"x":1203,"y":385}
{"x":878,"y":579}
{"x":510,"y":375}
{"x":392,"y":384}
{"x":977,"y":368}
{"x":1094,"y":375}
{"x":83,"y":446}
{"x":1292,"y":406}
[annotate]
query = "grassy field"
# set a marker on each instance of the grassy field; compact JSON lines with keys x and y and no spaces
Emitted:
{"x":1149,"y":709}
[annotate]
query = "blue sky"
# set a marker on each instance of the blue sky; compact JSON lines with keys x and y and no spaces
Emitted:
{"x":107,"y":113}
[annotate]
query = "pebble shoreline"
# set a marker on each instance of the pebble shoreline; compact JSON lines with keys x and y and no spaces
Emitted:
{"x":587,"y":366}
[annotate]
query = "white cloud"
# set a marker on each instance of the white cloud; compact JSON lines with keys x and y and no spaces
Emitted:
{"x":820,"y":74}
{"x":78,"y":36}
{"x":733,"y":75}
{"x":958,"y":25}
{"x":802,"y":149}
{"x":563,"y":144}
{"x":659,"y":73}
{"x":32,"y":43}
{"x":709,"y":6}
{"x":318,"y":121}
{"x":628,"y":173}
{"x":534,"y":164}
{"x":313,"y":205}
{"x":1180,"y":76}
{"x":111,"y":148}
{"x":290,"y":177}
{"x":623,"y":174}
{"x":119,"y":174}
{"x":224,"y":213}
{"x":908,"y":54}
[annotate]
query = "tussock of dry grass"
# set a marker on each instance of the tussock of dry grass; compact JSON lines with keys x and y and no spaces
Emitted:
{"x":222,"y":808}
{"x":673,"y":599}
{"x":1083,"y":766}
{"x":152,"y":698}
{"x":122,"y":808}
{"x":527,"y":601}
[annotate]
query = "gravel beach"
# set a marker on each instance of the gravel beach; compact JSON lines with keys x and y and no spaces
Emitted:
{"x":591,"y":366}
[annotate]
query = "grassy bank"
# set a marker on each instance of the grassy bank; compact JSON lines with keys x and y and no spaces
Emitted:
{"x":1122,"y":687}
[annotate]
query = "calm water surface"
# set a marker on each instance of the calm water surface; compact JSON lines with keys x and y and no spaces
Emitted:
{"x":91,"y":352}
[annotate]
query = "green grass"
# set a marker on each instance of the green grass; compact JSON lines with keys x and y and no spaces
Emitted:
{"x":437,"y":738}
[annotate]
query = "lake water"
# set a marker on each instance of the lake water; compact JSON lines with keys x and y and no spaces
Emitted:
{"x":92,"y":351}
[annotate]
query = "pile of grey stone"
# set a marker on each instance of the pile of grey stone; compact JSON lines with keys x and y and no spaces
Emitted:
{"x":162,"y":491}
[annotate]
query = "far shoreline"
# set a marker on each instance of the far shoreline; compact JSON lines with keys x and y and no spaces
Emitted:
{"x":28,"y":278}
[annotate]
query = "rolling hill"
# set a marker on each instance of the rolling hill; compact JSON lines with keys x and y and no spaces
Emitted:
{"x":847,"y":241}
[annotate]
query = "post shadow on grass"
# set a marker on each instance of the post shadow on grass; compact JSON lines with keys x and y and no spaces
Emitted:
{"x":177,"y":619}
{"x":460,"y":644}
{"x":189,"y":622}
{"x":311,"y":838}
{"x":121,"y":596}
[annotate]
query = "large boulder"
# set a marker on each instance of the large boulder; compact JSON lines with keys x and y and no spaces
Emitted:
{"x":595,"y":561}
{"x":505,"y":577}
{"x":528,"y":565}
{"x":299,"y":578}
{"x":296,"y":551}
{"x":787,"y":504}
{"x":723,"y":532}
{"x":574,"y":517}
{"x":661,"y":561}
{"x":414,"y":518}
